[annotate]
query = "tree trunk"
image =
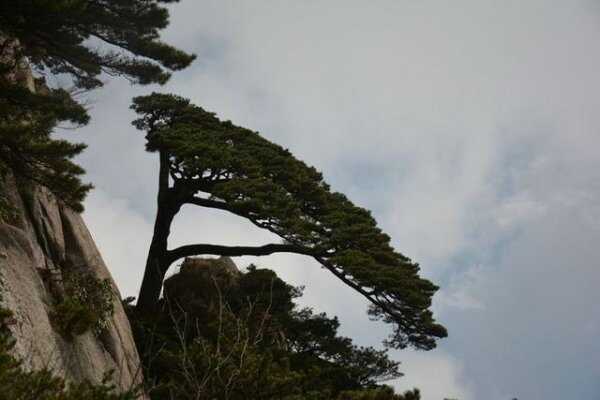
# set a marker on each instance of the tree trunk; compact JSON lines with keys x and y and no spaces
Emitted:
{"x":156,"y":264}
{"x":151,"y":284}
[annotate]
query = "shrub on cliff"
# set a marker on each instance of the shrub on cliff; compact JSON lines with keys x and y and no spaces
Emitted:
{"x":87,"y":304}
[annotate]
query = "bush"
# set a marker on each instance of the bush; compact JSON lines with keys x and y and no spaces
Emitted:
{"x":5,"y":208}
{"x":7,"y":211}
{"x":72,"y":318}
{"x":86,"y":305}
{"x":382,"y":393}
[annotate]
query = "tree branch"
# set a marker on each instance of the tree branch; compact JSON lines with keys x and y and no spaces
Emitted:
{"x":369,"y":295}
{"x":232,"y":251}
{"x":221,"y":205}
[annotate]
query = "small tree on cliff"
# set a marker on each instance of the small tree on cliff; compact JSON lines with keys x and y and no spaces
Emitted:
{"x":215,"y":164}
{"x":79,"y":39}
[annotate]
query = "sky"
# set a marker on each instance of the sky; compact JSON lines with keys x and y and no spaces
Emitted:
{"x":469,"y":128}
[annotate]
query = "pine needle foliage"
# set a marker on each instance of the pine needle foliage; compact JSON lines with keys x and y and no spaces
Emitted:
{"x":27,"y":148}
{"x":87,"y":305}
{"x":76,"y":41}
{"x":63,"y":37}
{"x":216,"y":164}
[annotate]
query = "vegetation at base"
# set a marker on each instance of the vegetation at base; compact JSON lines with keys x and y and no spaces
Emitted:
{"x":384,"y":393}
{"x":211,"y":163}
{"x":224,"y":335}
{"x":17,"y":383}
{"x":87,"y":305}
{"x":78,"y":41}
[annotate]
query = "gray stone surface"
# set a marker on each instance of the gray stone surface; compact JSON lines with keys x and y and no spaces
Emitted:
{"x":44,"y":236}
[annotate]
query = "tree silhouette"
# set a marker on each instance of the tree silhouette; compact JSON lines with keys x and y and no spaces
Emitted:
{"x":78,"y":40}
{"x":215,"y":164}
{"x":62,"y":37}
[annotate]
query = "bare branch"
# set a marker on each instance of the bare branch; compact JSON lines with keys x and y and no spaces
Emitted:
{"x":233,"y":251}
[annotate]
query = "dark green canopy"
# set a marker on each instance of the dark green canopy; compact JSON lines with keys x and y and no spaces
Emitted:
{"x":215,"y":164}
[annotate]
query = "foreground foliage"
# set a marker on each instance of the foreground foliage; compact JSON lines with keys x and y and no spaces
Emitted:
{"x":74,"y":41}
{"x":27,"y":149}
{"x":62,"y":37}
{"x":220,"y":334}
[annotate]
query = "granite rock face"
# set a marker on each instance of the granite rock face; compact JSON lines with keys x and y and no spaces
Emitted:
{"x":36,"y":243}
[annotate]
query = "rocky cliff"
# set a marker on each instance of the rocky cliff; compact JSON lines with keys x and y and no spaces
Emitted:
{"x":39,"y":240}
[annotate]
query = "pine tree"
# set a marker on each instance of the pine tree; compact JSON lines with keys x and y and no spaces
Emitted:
{"x":62,"y":37}
{"x":211,"y":163}
{"x":27,"y":148}
{"x":79,"y":39}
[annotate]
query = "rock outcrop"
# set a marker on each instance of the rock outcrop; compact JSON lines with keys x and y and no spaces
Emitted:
{"x":199,"y":281}
{"x":38,"y":241}
{"x":204,"y":265}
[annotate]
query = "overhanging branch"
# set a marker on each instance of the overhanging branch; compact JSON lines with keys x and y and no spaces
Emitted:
{"x":232,"y":251}
{"x":369,"y":295}
{"x":221,"y":205}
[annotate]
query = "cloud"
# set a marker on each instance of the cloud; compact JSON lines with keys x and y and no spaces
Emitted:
{"x":539,"y":316}
{"x":461,"y":290}
{"x":437,"y":374}
{"x":122,"y":236}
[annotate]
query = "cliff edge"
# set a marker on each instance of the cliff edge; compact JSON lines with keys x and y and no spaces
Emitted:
{"x":40,"y":239}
